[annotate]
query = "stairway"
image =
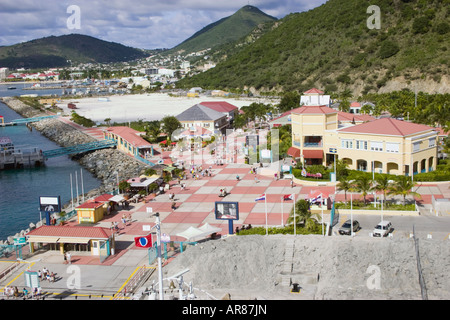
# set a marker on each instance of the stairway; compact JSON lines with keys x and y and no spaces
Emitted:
{"x":287,"y":264}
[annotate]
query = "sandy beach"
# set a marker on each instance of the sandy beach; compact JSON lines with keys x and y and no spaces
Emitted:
{"x":147,"y":107}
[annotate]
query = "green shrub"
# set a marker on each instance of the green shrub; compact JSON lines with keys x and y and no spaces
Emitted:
{"x":388,"y":49}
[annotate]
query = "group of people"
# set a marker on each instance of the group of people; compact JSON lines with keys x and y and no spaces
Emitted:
{"x":243,"y":228}
{"x":10,"y":292}
{"x":47,"y":275}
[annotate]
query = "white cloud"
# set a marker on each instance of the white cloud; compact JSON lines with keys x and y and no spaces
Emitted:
{"x":142,"y":24}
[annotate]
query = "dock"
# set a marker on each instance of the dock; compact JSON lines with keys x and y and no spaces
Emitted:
{"x":21,"y":158}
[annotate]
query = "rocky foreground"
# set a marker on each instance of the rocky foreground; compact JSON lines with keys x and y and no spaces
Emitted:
{"x":325,"y":268}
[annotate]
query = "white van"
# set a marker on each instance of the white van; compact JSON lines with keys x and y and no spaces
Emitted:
{"x":382,"y":229}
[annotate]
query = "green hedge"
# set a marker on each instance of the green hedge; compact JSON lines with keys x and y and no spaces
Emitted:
{"x":281,"y":230}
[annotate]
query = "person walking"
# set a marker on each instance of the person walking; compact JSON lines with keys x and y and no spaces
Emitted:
{"x":69,"y":258}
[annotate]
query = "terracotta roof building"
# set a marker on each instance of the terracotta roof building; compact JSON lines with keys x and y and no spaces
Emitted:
{"x":97,"y":240}
{"x":319,"y":134}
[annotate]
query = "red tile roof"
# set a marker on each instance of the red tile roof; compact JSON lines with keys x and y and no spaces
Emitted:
{"x":313,"y":110}
{"x":313,"y":90}
{"x":388,"y":126}
{"x":90,"y":204}
{"x":72,"y":231}
{"x":130,"y":135}
{"x":221,"y":106}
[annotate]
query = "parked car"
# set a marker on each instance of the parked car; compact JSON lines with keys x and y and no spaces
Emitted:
{"x":382,"y":229}
{"x":347,"y":226}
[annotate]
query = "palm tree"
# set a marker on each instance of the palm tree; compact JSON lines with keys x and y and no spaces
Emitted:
{"x":382,"y":184}
{"x":403,"y":186}
{"x":363,"y":184}
{"x":302,"y":215}
{"x":345,"y":184}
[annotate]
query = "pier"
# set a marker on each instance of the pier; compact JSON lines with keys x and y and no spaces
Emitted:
{"x":20,"y":158}
{"x":26,"y":120}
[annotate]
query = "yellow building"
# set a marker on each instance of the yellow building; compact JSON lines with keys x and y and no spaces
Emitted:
{"x":94,"y":210}
{"x":384,"y":145}
{"x":129,"y":141}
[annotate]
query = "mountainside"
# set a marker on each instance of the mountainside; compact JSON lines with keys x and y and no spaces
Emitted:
{"x":332,"y":48}
{"x":55,"y":51}
{"x":225,"y":30}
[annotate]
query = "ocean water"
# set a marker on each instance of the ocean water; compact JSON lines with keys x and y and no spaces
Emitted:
{"x":20,"y":189}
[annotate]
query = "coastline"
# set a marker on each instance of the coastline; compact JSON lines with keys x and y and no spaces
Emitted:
{"x":106,"y":164}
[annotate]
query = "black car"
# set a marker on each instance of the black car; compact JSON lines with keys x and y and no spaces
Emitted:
{"x":346,"y":227}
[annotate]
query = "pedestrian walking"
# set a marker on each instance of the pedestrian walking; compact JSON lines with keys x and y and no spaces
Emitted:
{"x":69,"y":258}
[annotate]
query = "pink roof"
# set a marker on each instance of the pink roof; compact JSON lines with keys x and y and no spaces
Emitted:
{"x":313,"y":90}
{"x":72,"y":231}
{"x":129,"y":135}
{"x":313,"y":110}
{"x":388,"y":126}
{"x":355,"y":104}
{"x":220,"y":106}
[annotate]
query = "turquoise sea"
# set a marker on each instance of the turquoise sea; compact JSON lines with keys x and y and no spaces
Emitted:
{"x":20,"y":189}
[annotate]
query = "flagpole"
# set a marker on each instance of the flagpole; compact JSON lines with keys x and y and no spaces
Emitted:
{"x":158,"y":244}
{"x":295,"y":227}
{"x":351,"y":213}
{"x":265,"y":205}
{"x":321,"y":199}
{"x":71,"y":190}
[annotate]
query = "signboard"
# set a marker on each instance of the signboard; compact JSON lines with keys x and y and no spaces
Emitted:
{"x":31,"y":279}
{"x":227,"y":210}
{"x":149,"y":210}
{"x":50,"y":204}
{"x":333,"y":150}
{"x":19,"y":241}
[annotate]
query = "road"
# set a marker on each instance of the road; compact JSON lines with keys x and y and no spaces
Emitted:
{"x":437,"y":227}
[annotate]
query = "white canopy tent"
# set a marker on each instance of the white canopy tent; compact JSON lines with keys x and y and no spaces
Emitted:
{"x":195,"y":234}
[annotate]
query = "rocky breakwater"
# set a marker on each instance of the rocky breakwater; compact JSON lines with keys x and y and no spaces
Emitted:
{"x":106,"y":164}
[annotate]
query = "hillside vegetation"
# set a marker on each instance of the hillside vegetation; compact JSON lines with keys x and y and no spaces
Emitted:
{"x":225,"y":30}
{"x":55,"y":51}
{"x":332,"y":48}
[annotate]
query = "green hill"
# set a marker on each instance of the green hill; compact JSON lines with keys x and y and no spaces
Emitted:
{"x":224,"y":31}
{"x":55,"y":51}
{"x":331,"y":47}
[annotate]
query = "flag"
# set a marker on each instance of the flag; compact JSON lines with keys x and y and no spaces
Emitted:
{"x":316,"y":198}
{"x":262,"y":197}
{"x":303,"y":172}
{"x":288,"y":197}
{"x":144,"y":242}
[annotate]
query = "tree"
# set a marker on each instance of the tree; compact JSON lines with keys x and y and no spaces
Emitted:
{"x":124,"y":185}
{"x":289,"y":101}
{"x":363,"y":184}
{"x":108,"y":121}
{"x":403,"y":186}
{"x":345,"y":184}
{"x":302,"y":215}
{"x":170,"y":124}
{"x":382,"y":184}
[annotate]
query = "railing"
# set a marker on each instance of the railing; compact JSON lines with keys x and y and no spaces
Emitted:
{"x":312,"y":144}
{"x":137,"y":280}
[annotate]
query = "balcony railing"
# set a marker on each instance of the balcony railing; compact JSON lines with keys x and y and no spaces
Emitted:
{"x":312,"y":144}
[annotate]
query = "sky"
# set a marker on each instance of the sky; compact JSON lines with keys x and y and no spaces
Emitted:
{"x":145,"y":24}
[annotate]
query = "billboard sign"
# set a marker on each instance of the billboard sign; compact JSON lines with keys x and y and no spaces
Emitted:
{"x":50,"y":204}
{"x":227,"y":210}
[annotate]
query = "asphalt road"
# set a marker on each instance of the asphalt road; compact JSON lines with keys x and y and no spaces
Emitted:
{"x":437,"y":227}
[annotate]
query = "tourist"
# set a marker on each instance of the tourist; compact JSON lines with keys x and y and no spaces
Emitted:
{"x":69,"y":258}
{"x":25,"y":293}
